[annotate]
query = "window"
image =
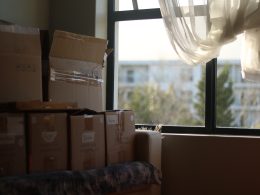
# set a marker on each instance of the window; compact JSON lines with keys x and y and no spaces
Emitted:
{"x":238,"y":101}
{"x":146,"y":75}
{"x":130,"y":76}
{"x":122,"y":5}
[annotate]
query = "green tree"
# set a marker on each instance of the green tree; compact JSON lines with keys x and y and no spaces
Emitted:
{"x":224,"y":99}
{"x":200,"y":104}
{"x":152,"y":105}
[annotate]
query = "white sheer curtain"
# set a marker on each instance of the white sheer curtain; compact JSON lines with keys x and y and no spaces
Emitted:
{"x":199,"y":28}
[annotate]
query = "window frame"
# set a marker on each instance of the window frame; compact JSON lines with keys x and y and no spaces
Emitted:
{"x":211,"y":72}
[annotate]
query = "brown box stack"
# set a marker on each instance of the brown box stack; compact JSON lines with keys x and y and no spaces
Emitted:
{"x":20,"y":60}
{"x":12,"y":144}
{"x":120,"y":129}
{"x":87,"y":142}
{"x":47,"y":142}
{"x":76,"y":69}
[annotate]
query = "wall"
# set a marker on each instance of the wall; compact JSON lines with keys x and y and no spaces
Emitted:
{"x":76,"y":16}
{"x":26,"y":12}
{"x":101,"y":32}
{"x":210,"y":165}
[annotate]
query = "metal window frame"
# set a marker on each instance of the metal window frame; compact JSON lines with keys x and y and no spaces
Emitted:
{"x":211,"y":72}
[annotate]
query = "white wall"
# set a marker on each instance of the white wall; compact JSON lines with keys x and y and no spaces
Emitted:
{"x":101,"y":19}
{"x":26,"y":12}
{"x":101,"y":32}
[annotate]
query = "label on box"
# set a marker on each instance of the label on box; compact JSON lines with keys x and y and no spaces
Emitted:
{"x":26,"y":67}
{"x":112,"y":119}
{"x":49,"y":136}
{"x":88,"y":137}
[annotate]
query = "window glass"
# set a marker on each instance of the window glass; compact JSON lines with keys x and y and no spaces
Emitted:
{"x":148,"y":4}
{"x":123,"y":5}
{"x":238,"y":100}
{"x":152,"y":81}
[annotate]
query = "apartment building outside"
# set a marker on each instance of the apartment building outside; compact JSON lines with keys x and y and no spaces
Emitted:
{"x":184,"y":79}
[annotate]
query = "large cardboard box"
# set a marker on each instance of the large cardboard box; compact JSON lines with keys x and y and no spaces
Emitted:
{"x":87,"y":142}
{"x":76,"y":69}
{"x":12,"y":144}
{"x":47,"y":142}
{"x":120,"y":129}
{"x":20,"y":64}
{"x":39,"y":105}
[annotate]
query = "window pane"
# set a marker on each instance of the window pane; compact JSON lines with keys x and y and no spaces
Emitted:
{"x":238,"y":100}
{"x":152,"y":81}
{"x":123,"y":5}
{"x":148,"y":4}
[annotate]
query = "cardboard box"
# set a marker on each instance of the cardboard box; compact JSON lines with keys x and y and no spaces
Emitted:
{"x":20,"y":70}
{"x":87,"y":142}
{"x":120,"y":129}
{"x":47,"y":142}
{"x":39,"y":105}
{"x":12,"y":144}
{"x":76,"y":69}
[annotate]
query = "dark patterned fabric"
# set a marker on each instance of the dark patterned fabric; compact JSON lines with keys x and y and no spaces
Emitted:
{"x":113,"y":178}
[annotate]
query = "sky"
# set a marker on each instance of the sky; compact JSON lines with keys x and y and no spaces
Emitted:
{"x":148,"y":39}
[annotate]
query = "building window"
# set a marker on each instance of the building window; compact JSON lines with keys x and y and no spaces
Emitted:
{"x":130,"y":76}
{"x":186,"y":99}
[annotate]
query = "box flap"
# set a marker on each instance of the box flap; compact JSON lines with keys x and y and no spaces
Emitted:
{"x":78,"y":47}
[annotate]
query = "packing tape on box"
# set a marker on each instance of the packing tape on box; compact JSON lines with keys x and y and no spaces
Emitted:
{"x":123,"y":136}
{"x":89,"y":122}
{"x":49,"y":133}
{"x":120,"y":128}
{"x":12,"y":125}
{"x":13,"y":28}
{"x":89,"y":159}
{"x":49,"y":122}
{"x":90,"y":78}
{"x":3,"y":124}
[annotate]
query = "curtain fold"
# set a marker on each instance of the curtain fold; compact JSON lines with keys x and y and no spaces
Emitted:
{"x":199,"y":28}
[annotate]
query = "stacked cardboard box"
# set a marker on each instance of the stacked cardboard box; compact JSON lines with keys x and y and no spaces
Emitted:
{"x":20,"y":60}
{"x":76,"y":69}
{"x":76,"y":63}
{"x":12,"y":144}
{"x":87,"y":142}
{"x":120,"y":131}
{"x":47,"y":142}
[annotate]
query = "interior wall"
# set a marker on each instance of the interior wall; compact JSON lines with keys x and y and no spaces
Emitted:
{"x":101,"y":32}
{"x":26,"y":12}
{"x":76,"y":16}
{"x":210,"y":165}
{"x":101,"y":19}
